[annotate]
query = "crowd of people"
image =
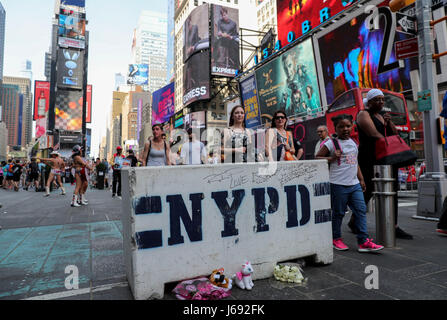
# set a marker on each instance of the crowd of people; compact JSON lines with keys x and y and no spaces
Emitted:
{"x":351,"y":165}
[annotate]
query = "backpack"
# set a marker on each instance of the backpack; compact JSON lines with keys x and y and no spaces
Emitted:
{"x":10,"y":168}
{"x":34,"y":168}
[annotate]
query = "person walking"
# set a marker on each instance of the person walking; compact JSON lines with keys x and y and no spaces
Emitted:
{"x":33,"y":169}
{"x":118,"y":158}
{"x":156,"y":151}
{"x":16,"y":174}
{"x":79,"y":165}
{"x":131,"y":157}
{"x":279,"y":142}
{"x":236,"y":139}
{"x":372,"y":125}
{"x":193,"y":151}
{"x":9,"y":174}
{"x":323,"y":134}
{"x":57,"y":166}
{"x":347,"y":184}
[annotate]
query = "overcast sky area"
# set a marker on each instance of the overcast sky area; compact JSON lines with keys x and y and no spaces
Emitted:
{"x":110,"y":23}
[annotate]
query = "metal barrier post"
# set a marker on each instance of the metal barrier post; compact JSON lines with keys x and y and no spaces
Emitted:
{"x":385,"y":212}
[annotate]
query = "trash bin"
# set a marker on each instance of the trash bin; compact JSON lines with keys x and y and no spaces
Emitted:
{"x":432,"y":190}
{"x":100,"y":180}
{"x":385,"y":212}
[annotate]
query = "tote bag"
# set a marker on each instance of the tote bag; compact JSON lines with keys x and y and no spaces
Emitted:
{"x":393,"y":150}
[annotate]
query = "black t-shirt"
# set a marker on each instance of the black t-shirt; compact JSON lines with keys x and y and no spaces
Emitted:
{"x":133,"y":159}
{"x":17,"y":170}
{"x":34,"y":168}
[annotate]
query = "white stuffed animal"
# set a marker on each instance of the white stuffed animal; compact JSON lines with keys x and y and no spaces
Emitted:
{"x":243,"y":278}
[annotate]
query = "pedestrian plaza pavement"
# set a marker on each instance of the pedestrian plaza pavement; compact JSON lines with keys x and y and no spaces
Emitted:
{"x":40,"y":237}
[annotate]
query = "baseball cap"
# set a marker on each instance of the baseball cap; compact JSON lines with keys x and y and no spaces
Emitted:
{"x":119,"y":148}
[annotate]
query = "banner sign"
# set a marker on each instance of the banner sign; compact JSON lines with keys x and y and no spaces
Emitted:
{"x":138,"y":74}
{"x":163,"y":104}
{"x":250,"y":100}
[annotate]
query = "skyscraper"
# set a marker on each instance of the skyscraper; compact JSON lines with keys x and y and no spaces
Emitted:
{"x":150,"y":47}
{"x":171,"y":41}
{"x":12,"y":102}
{"x":2,"y":44}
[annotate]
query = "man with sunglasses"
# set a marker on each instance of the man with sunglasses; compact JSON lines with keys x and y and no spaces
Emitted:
{"x":323,"y":134}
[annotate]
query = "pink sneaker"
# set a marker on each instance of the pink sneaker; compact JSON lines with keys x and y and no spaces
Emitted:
{"x":369,"y":246}
{"x":339,"y":245}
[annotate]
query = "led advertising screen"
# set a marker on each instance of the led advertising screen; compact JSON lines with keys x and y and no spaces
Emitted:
{"x":88,"y":117}
{"x":41,"y":99}
{"x":249,"y":95}
{"x":138,"y":74}
{"x":196,"y":78}
{"x":225,"y":59}
{"x":196,"y":33}
{"x":289,"y":83}
{"x":68,"y":110}
{"x":195,"y":120}
{"x":71,"y":26}
{"x":163,"y":104}
{"x":301,"y":16}
{"x":350,"y":57}
{"x":77,"y":3}
{"x":70,"y":69}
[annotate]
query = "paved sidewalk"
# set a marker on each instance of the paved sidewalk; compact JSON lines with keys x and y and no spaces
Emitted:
{"x":41,"y":237}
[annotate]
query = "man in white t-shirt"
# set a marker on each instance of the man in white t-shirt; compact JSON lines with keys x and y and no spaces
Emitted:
{"x":193,"y":151}
{"x":323,"y":134}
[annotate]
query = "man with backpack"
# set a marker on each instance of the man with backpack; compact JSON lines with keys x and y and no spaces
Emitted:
{"x":33,"y":169}
{"x":16,"y":174}
{"x":8,"y":170}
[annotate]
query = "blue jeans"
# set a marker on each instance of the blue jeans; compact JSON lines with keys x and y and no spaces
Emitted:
{"x":341,"y":198}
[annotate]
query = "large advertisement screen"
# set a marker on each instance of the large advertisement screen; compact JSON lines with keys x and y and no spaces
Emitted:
{"x":41,"y":106}
{"x":195,"y":120}
{"x":70,"y":69}
{"x":196,"y":33}
{"x":289,"y":83}
{"x":138,"y":74}
{"x":88,"y":117}
{"x":77,"y":3}
{"x":249,"y":95}
{"x":350,"y":57}
{"x":71,"y":26}
{"x":196,"y":78}
{"x":225,"y":59}
{"x":68,"y":110}
{"x":301,"y":16}
{"x":163,"y":104}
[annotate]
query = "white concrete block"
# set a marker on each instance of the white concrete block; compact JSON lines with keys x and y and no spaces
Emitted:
{"x":183,"y":222}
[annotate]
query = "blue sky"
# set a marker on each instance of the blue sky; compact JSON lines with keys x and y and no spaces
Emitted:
{"x":111,"y":24}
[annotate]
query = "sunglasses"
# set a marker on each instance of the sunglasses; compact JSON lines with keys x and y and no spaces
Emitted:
{"x":280,"y":118}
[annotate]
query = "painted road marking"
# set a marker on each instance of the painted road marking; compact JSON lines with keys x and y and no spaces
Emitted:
{"x":73,"y":293}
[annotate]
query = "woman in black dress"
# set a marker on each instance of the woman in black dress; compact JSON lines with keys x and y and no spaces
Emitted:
{"x":374,"y":124}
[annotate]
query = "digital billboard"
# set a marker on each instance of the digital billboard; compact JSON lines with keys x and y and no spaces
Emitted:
{"x":41,"y":99}
{"x":138,"y":74}
{"x":68,"y":110}
{"x":163,"y":104}
{"x":196,"y":33}
{"x":70,"y":69}
{"x":249,"y":95}
{"x":301,"y":16}
{"x":196,"y":78}
{"x":71,"y":43}
{"x":195,"y":120}
{"x":350,"y":57}
{"x":88,"y":117}
{"x":76,"y":3}
{"x":71,"y":26}
{"x":225,"y":59}
{"x":289,"y":82}
{"x":41,"y":106}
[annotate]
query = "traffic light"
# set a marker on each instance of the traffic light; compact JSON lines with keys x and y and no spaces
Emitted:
{"x":396,"y":5}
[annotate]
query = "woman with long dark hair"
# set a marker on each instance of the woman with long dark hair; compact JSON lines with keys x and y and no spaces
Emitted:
{"x":236,"y":139}
{"x":156,"y":151}
{"x":279,"y":141}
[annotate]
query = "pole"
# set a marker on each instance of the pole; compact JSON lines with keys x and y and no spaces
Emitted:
{"x":431,"y":192}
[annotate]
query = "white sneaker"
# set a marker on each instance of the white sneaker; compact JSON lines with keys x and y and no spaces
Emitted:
{"x":75,"y":204}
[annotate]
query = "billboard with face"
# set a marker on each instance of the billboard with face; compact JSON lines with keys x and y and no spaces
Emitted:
{"x":41,"y":106}
{"x":196,"y":78}
{"x":138,"y":74}
{"x":301,"y":16}
{"x":196,"y":33}
{"x":70,"y":69}
{"x":289,"y":83}
{"x":350,"y":56}
{"x":225,"y":59}
{"x":163,"y":107}
{"x":68,"y":110}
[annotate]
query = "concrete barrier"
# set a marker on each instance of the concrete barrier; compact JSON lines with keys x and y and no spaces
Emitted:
{"x":186,"y":221}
